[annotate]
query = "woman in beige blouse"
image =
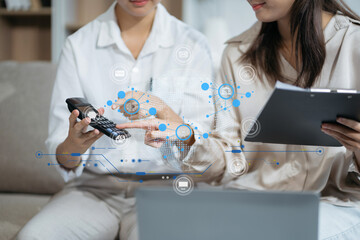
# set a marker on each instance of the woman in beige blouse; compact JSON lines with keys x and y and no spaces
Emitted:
{"x":307,"y":43}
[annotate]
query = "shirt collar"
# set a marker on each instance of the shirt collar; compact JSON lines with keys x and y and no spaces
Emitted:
{"x":160,"y":36}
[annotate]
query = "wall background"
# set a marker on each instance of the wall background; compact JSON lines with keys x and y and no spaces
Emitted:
{"x":219,"y":20}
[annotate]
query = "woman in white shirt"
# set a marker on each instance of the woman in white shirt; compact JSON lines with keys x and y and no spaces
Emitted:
{"x":134,"y":48}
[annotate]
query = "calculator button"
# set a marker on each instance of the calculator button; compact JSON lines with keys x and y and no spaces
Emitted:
{"x":109,"y":130}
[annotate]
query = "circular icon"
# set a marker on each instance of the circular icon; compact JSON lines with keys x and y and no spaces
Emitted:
{"x":247,"y":75}
{"x":119,"y":140}
{"x":90,"y":113}
{"x":183,"y":185}
{"x":226,"y":91}
{"x":250,"y":127}
{"x":238,"y":167}
{"x":320,"y":151}
{"x":183,"y":132}
{"x":131,"y":106}
{"x":119,"y":74}
{"x":183,"y":55}
{"x":39,"y":154}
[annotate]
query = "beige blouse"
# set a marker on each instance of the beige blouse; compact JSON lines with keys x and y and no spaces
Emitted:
{"x":330,"y":171}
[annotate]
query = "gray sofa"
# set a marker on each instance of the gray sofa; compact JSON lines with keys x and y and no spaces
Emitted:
{"x":26,"y":181}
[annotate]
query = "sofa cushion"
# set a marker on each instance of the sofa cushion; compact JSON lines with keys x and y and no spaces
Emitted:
{"x":16,"y":210}
{"x":25,"y":92}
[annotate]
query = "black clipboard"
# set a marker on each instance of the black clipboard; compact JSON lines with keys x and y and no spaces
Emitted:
{"x":293,"y":115}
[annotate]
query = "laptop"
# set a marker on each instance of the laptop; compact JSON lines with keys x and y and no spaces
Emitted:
{"x":219,"y":214}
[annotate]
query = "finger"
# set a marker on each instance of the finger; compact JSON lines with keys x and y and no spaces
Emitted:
{"x":146,"y":125}
{"x":151,"y":141}
{"x":350,"y":133}
{"x":120,"y":102}
{"x":343,"y":139}
{"x":91,"y":134}
{"x":83,"y":124}
{"x":94,"y":136}
{"x":349,"y":123}
{"x":344,"y":143}
{"x":101,"y":111}
{"x":72,"y":118}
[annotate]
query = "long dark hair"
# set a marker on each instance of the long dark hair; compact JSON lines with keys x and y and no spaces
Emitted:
{"x":306,"y":27}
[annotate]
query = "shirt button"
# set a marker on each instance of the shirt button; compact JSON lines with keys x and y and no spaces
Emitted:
{"x":135,"y":70}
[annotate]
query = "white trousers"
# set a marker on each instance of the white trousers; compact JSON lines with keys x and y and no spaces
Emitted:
{"x":88,"y":211}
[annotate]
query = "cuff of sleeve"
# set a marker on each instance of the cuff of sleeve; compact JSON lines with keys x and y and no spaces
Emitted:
{"x":66,"y":174}
{"x":353,"y":168}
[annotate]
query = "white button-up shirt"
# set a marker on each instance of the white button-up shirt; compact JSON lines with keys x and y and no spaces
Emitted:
{"x":96,"y":64}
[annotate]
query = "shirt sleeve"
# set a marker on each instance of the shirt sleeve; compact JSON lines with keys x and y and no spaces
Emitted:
{"x":213,"y":156}
{"x":66,"y":85}
{"x":354,"y":172}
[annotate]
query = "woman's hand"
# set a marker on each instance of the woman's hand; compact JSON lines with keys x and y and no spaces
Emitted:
{"x":159,"y":131}
{"x":140,"y":105}
{"x":78,"y":140}
{"x":347,"y":132}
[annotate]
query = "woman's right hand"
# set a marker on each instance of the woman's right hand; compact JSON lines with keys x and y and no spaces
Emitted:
{"x":78,"y":140}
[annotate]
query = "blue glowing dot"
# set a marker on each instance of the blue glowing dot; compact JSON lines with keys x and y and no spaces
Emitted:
{"x":95,"y":164}
{"x":162,"y":127}
{"x":167,"y":137}
{"x":182,"y":149}
{"x":104,"y":105}
{"x":242,"y":146}
{"x":174,"y":177}
{"x":152,"y":111}
{"x":132,"y":89}
{"x":205,"y":135}
{"x":168,"y":124}
{"x":115,"y":100}
{"x":147,"y":101}
{"x":320,"y":151}
{"x":205,"y":86}
{"x":252,"y":91}
{"x":109,"y":103}
{"x":139,"y":160}
{"x":196,"y":128}
{"x":121,"y":94}
{"x":225,"y":109}
{"x":141,"y":181}
{"x":210,"y":96}
{"x":207,"y":116}
{"x":248,"y":94}
{"x":92,"y":148}
{"x":277,"y":163}
{"x":121,"y":160}
{"x":119,"y":110}
{"x":238,"y":87}
{"x":84,"y":164}
{"x":48,"y":164}
{"x":165,"y":157}
{"x":236,"y":103}
{"x":133,"y":160}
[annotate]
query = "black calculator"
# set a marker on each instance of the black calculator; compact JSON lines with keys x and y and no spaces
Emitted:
{"x":99,"y":122}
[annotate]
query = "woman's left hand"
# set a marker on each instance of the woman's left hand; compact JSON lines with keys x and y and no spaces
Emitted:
{"x":160,"y":131}
{"x":347,"y":132}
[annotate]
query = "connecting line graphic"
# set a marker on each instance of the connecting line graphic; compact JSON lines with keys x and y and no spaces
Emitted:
{"x":40,"y":154}
{"x":224,"y":93}
{"x":133,"y":104}
{"x":318,"y":151}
